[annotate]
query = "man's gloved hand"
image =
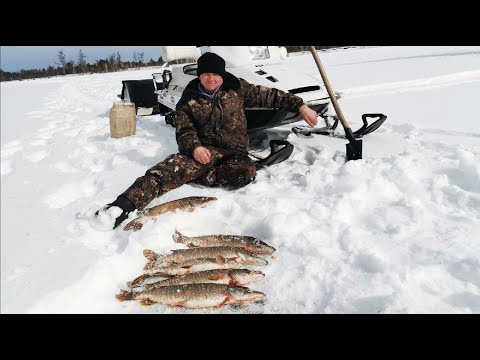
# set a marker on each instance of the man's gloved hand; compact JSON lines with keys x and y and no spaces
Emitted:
{"x":112,"y":215}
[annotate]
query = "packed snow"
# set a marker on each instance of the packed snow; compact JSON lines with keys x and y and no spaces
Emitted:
{"x":395,"y":232}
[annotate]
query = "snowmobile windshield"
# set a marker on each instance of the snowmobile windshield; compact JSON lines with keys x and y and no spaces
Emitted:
{"x":259,"y":52}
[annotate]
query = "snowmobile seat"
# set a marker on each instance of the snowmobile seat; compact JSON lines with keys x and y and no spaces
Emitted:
{"x":140,"y":92}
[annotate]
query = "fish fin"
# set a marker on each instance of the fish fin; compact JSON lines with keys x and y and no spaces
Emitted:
{"x":214,"y":277}
{"x":228,"y":296}
{"x":220,"y":260}
{"x":186,"y":294}
{"x":234,"y":258}
{"x":147,"y":302}
{"x":248,"y":248}
{"x":125,"y":295}
{"x":180,"y":303}
{"x":186,"y":267}
{"x":232,"y":280}
{"x":150,"y":254}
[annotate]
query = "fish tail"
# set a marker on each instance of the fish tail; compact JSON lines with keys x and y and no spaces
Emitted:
{"x":135,"y":224}
{"x":150,"y":254}
{"x":137,"y":280}
{"x":125,"y":295}
{"x":129,"y":226}
{"x":177,"y":236}
{"x":152,"y":257}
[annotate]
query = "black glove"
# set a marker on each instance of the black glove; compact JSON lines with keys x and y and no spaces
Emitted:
{"x":124,"y":204}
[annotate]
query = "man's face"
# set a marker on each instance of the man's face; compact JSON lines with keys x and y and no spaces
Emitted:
{"x":210,"y":81}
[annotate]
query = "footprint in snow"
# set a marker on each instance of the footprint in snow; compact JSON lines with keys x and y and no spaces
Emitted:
{"x":37,"y":155}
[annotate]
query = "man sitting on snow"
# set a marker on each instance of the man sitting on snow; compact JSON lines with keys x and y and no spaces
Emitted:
{"x":211,"y":133}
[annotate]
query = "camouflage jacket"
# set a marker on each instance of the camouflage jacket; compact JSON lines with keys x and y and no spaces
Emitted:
{"x":221,"y":122}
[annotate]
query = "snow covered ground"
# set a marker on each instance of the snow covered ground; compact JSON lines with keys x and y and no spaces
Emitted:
{"x":395,"y":232}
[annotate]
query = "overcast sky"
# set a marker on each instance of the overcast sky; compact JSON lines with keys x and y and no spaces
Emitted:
{"x":15,"y":58}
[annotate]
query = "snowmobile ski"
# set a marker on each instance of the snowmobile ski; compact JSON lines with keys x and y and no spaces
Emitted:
{"x":329,"y":130}
{"x":277,"y":155}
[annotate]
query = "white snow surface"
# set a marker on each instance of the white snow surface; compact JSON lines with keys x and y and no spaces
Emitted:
{"x":395,"y":232}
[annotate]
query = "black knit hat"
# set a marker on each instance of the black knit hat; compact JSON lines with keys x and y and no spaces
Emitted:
{"x":211,"y":63}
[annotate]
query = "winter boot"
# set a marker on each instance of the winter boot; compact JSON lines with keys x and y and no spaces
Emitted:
{"x":207,"y":179}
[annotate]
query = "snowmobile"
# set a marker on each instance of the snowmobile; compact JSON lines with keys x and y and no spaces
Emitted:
{"x":260,"y":65}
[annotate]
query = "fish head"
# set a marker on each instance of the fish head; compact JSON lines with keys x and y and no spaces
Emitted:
{"x":200,"y":200}
{"x":267,"y":249}
{"x":260,"y":248}
{"x":208,"y":199}
{"x":242,"y":276}
{"x":243,"y":294}
{"x":252,"y":259}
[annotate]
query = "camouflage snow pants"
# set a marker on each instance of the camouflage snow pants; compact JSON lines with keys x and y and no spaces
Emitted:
{"x":226,"y":168}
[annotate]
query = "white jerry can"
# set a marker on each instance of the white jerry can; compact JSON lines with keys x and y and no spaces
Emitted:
{"x":123,"y":120}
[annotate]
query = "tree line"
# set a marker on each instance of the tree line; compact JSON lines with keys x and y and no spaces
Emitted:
{"x":111,"y":63}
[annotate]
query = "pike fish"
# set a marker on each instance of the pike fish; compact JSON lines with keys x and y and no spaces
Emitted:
{"x":222,"y":252}
{"x":188,"y":203}
{"x":154,"y":274}
{"x":248,"y":243}
{"x":239,"y":277}
{"x":194,"y":295}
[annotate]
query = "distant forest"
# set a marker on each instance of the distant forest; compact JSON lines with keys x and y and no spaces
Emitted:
{"x":112,"y":63}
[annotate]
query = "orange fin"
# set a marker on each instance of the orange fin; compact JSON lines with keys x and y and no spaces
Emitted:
{"x":181,"y":303}
{"x":214,"y":277}
{"x":227,"y":297}
{"x":220,"y":260}
{"x":147,"y":302}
